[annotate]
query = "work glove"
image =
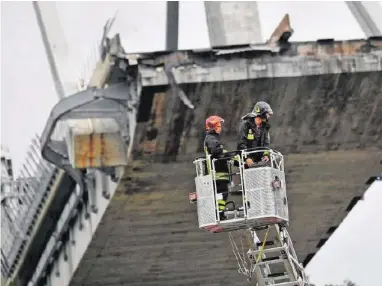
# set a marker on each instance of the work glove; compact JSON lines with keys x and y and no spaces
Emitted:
{"x":249,"y":162}
{"x":265,"y":159}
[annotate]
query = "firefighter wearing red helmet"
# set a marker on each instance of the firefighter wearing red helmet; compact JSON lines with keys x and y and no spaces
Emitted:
{"x":213,"y":147}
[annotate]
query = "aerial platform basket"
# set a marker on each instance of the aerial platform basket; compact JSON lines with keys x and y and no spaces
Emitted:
{"x":263,"y":199}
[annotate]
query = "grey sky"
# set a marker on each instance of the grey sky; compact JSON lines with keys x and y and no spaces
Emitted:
{"x":350,"y":252}
{"x":27,"y":92}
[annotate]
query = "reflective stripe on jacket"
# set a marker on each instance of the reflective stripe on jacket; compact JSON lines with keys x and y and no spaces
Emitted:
{"x":251,"y":136}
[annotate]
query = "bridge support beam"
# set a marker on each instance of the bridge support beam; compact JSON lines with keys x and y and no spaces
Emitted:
{"x":368,"y":15}
{"x":99,"y":177}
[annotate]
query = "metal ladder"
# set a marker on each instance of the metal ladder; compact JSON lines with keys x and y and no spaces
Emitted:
{"x":274,"y":261}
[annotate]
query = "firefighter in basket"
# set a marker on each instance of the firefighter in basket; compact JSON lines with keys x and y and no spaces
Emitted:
{"x":213,"y":147}
{"x":254,"y":132}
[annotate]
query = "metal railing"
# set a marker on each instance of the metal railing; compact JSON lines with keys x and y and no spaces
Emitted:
{"x":21,"y":202}
{"x":261,"y":184}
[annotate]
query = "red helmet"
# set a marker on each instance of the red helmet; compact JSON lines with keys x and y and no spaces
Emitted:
{"x":213,"y":122}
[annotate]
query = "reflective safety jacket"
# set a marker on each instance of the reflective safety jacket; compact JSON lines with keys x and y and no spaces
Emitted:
{"x":251,"y":136}
{"x":213,"y":147}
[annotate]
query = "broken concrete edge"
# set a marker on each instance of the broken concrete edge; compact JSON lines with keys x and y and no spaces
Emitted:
{"x":53,"y":118}
{"x":302,"y":58}
{"x":102,"y":72}
{"x":282,"y":33}
{"x":331,"y":230}
{"x":62,"y":110}
{"x":379,"y":42}
{"x":321,"y":47}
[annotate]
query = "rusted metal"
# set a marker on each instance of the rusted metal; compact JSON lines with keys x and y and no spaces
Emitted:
{"x":102,"y":149}
{"x":154,"y":125}
{"x":282,"y":32}
{"x":91,"y":151}
{"x":98,"y":150}
{"x":322,"y":48}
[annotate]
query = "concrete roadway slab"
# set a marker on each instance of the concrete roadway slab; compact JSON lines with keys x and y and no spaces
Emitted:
{"x":150,"y":236}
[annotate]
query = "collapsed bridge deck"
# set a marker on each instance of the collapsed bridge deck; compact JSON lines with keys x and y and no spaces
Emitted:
{"x":327,"y":100}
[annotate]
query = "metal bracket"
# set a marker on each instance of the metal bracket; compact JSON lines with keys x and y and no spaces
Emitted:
{"x":111,"y":102}
{"x":105,"y":187}
{"x":10,"y":196}
{"x":5,"y":267}
{"x":91,"y":187}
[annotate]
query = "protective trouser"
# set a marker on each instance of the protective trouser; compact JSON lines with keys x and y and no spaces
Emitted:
{"x":222,"y":188}
{"x":222,"y":181}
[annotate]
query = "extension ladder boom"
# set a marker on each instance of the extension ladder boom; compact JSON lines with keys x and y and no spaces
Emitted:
{"x":274,"y":261}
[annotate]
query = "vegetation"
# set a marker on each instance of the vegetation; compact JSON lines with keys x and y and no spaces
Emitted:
{"x":345,"y":283}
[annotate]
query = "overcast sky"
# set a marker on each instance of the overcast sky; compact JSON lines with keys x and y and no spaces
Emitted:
{"x":27,"y":92}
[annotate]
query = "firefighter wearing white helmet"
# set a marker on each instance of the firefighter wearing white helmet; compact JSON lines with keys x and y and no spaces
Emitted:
{"x":254,"y":131}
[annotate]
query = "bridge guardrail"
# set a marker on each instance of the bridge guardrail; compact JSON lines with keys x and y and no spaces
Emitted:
{"x":21,"y":203}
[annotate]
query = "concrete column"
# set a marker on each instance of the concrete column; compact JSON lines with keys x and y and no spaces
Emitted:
{"x":233,"y":23}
